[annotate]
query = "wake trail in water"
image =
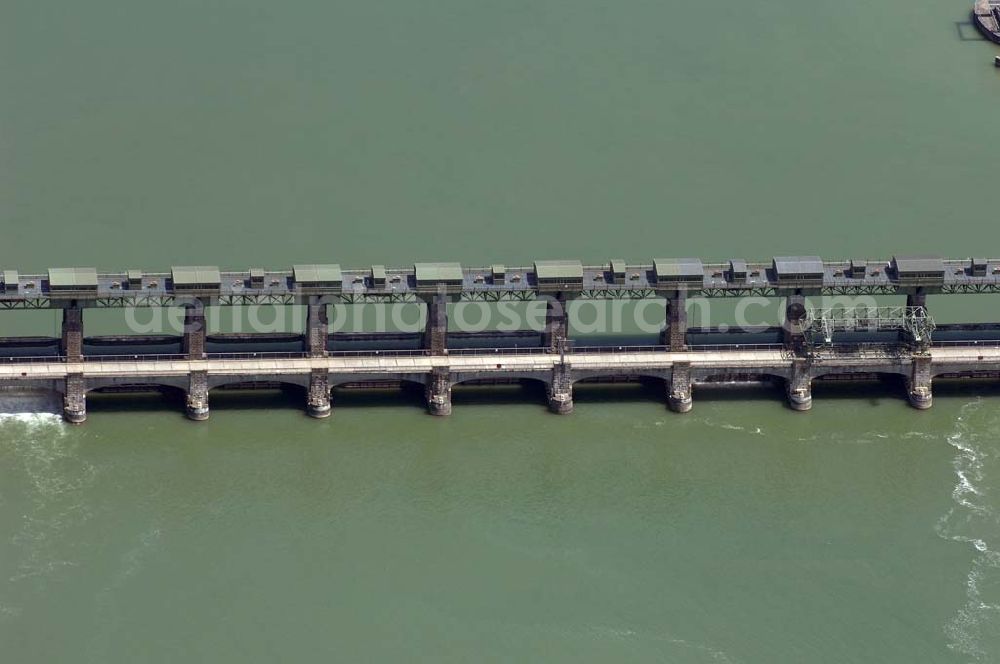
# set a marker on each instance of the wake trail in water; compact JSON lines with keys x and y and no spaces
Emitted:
{"x":973,"y":520}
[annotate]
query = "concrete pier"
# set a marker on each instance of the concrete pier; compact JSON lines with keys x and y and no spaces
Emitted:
{"x":317,"y":329}
{"x":193,"y":344}
{"x":799,"y":386}
{"x":438,"y":391}
{"x":793,"y":325}
{"x":556,"y":334}
{"x":560,"y":389}
{"x":71,"y":345}
{"x":918,"y":384}
{"x":318,"y":404}
{"x":75,"y":399}
{"x":435,"y":337}
{"x":197,"y":395}
{"x":674,"y":335}
{"x":679,"y":397}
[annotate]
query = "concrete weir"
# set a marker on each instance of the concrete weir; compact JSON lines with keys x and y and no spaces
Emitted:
{"x":815,"y":344}
{"x":680,"y":371}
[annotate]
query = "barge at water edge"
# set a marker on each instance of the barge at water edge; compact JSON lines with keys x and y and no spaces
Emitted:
{"x":987,"y":17}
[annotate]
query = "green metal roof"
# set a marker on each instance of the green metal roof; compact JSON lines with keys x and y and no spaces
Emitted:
{"x":918,"y":265}
{"x":498,"y":268}
{"x":317,"y":274}
{"x":204,"y":275}
{"x":70,"y":278}
{"x":617,"y":266}
{"x":559,"y":270}
{"x":435,"y":273}
{"x":799,"y":266}
{"x":679,"y":268}
{"x":10,"y":276}
{"x":134,"y":275}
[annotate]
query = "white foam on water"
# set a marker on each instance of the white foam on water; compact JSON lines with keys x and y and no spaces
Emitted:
{"x":971,"y":521}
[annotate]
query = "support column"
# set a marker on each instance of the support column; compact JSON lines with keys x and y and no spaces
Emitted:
{"x":75,"y":399}
{"x":71,"y":346}
{"x":319,"y":393}
{"x":800,"y":386}
{"x":197,"y":396}
{"x":917,"y":299}
{"x":679,"y":394}
{"x":674,"y":334}
{"x":793,"y":327}
{"x":317,"y":329}
{"x":194,"y":331}
{"x":560,"y":390}
{"x":436,"y":330}
{"x":556,"y":334}
{"x":918,"y":384}
{"x":438,"y":391}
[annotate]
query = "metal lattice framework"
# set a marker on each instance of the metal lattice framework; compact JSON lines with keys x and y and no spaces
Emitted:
{"x":914,"y":322}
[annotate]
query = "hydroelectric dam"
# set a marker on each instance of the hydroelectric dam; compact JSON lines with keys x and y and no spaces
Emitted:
{"x":812,"y":344}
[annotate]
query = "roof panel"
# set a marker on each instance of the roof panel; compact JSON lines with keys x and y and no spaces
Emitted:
{"x":317,"y":274}
{"x":918,"y":264}
{"x":438,"y":272}
{"x":197,"y":275}
{"x":72,"y":277}
{"x":561,"y":269}
{"x":798,"y":266}
{"x":679,"y":268}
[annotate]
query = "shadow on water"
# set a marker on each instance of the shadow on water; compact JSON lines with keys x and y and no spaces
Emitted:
{"x":602,"y":393}
{"x":529,"y":392}
{"x":410,"y":396}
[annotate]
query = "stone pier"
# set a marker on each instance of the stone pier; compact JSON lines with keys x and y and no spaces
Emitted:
{"x":194,"y":331}
{"x":197,"y":396}
{"x":800,"y":386}
{"x":674,"y":334}
{"x":438,"y":391}
{"x":918,"y":384}
{"x":679,"y":391}
{"x":317,"y":329}
{"x":916,"y":299}
{"x":794,"y":323}
{"x":560,"y":390}
{"x":556,"y":334}
{"x":75,"y":399}
{"x":71,"y":345}
{"x":319,"y":394}
{"x":436,"y":329}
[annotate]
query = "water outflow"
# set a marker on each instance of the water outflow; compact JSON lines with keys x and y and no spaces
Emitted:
{"x":974,"y":520}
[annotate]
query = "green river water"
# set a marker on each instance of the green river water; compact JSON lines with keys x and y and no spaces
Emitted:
{"x":144,"y":134}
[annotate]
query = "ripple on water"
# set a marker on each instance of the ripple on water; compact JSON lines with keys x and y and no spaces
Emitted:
{"x":973,"y":520}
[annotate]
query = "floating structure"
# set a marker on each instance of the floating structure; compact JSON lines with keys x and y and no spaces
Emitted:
{"x":812,"y":346}
{"x":987,"y":18}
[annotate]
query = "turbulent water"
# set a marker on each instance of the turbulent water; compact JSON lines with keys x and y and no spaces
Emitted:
{"x":146,"y":134}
